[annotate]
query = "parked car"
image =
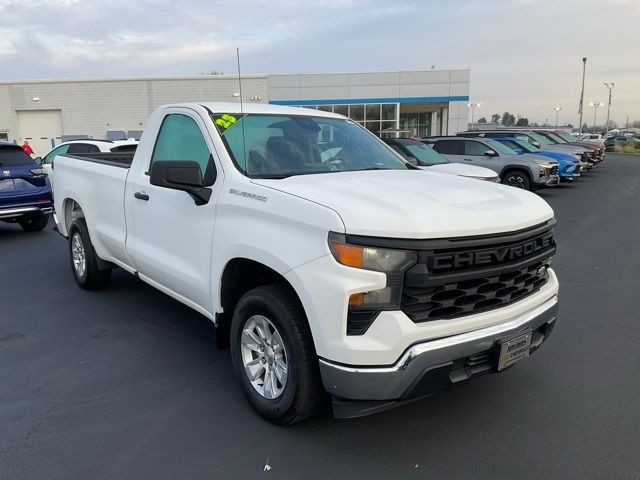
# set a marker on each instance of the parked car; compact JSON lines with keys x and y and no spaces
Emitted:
{"x":622,"y":141}
{"x":25,"y":191}
{"x":535,"y":139}
{"x":592,"y":137}
{"x":526,"y":171}
{"x":83,"y":147}
{"x":596,"y":150}
{"x":568,"y":166}
{"x":328,"y":274}
{"x":425,"y":157}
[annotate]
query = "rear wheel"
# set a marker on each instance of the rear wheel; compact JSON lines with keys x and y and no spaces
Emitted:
{"x":83,"y":258}
{"x":517,"y":178}
{"x":273,"y":355}
{"x":34,"y":223}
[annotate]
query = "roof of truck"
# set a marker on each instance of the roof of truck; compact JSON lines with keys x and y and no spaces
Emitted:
{"x":250,"y":107}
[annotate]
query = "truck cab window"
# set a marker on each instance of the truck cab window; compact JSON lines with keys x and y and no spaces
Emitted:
{"x":180,"y":139}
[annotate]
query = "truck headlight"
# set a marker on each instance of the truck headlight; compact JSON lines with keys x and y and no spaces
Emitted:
{"x":392,"y":263}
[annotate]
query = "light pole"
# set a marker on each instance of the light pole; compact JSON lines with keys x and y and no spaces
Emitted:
{"x":584,"y":69}
{"x":557,"y":109}
{"x":473,"y":106}
{"x":610,"y":87}
{"x":595,"y":113}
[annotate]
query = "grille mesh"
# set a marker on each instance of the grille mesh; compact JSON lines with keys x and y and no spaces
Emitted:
{"x":472,"y":296}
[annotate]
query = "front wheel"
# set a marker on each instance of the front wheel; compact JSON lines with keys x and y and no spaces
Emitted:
{"x":35,"y":223}
{"x":274,"y":357}
{"x":518,"y":179}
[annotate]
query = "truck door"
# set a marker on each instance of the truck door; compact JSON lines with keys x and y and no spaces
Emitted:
{"x":169,"y":237}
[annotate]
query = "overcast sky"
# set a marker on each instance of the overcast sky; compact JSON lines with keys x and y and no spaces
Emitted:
{"x":524,"y":55}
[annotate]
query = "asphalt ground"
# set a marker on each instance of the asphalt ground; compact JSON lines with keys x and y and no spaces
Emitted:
{"x":128,"y":383}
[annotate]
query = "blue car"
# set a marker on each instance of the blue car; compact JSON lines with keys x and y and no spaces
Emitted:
{"x":25,"y":191}
{"x":568,"y":167}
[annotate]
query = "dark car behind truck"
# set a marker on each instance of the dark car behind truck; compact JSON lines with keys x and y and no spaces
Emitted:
{"x":25,"y":191}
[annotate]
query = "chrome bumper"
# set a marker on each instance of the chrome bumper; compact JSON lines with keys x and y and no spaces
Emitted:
{"x":428,"y":367}
{"x":20,"y":211}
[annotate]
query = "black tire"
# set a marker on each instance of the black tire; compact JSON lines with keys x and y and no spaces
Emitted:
{"x":90,"y":278}
{"x":303,"y":394}
{"x":517,"y":179}
{"x":34,"y":223}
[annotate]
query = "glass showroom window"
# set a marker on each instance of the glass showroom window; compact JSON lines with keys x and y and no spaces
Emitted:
{"x":341,"y":109}
{"x":375,"y":117}
{"x":418,"y":124}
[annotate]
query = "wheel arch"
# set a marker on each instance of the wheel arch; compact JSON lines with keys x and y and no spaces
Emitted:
{"x":510,"y":168}
{"x":240,"y":275}
{"x":71,"y":210}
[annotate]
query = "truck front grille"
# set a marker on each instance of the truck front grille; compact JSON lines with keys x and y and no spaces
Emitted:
{"x":554,"y":170}
{"x":473,"y":296}
{"x":467,"y":276}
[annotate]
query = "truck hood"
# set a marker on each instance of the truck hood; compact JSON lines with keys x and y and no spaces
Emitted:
{"x":417,"y":203}
{"x":462,"y":170}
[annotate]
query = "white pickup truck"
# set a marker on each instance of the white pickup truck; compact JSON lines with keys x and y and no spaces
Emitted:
{"x":327,"y":262}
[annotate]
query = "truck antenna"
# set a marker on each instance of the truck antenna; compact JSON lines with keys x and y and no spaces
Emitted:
{"x":244,"y":147}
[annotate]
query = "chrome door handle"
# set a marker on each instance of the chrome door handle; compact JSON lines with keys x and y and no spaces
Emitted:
{"x":141,"y":196}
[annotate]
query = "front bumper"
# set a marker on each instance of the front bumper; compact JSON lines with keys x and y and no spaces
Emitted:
{"x":428,"y":367}
{"x":569,"y":171}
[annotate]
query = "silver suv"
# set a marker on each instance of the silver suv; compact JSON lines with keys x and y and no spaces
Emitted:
{"x":526,"y":171}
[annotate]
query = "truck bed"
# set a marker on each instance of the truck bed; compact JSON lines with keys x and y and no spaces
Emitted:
{"x":121,"y":160}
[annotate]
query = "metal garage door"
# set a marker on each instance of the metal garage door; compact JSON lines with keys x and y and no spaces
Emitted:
{"x":40,"y":127}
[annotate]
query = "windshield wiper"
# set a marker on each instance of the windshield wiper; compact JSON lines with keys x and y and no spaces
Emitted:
{"x":370,"y":168}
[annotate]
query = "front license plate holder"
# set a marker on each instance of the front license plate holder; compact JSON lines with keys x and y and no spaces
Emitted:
{"x":513,"y":349}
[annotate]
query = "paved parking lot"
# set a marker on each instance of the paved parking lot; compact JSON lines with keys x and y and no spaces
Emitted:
{"x":128,"y":383}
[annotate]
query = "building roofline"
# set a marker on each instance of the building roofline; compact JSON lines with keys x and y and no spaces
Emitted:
{"x":131,"y":79}
{"x":409,"y":70}
{"x":226,"y":77}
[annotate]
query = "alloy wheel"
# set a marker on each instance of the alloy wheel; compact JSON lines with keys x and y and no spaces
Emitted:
{"x":264,"y":357}
{"x":78,"y":255}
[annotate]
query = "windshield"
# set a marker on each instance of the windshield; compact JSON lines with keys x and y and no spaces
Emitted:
{"x":556,"y":137}
{"x":424,"y":155}
{"x":568,"y":136}
{"x":278,"y":146}
{"x":498,"y":147}
{"x":521,"y":144}
{"x":540,"y":138}
{"x":14,"y":156}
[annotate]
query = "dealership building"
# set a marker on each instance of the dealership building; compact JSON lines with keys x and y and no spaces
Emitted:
{"x":416,"y":103}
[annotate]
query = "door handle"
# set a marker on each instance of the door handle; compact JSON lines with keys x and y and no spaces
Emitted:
{"x":468,"y":159}
{"x":141,"y":196}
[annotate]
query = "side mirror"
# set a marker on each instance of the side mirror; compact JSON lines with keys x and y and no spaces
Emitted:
{"x":412,"y":161}
{"x":38,"y":160}
{"x":491,"y":153}
{"x":536,"y":144}
{"x":517,"y":150}
{"x":181,"y":175}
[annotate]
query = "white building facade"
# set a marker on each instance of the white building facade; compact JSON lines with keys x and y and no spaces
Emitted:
{"x":416,"y":103}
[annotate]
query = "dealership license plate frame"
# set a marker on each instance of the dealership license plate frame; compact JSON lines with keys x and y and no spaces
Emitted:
{"x":509,"y":351}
